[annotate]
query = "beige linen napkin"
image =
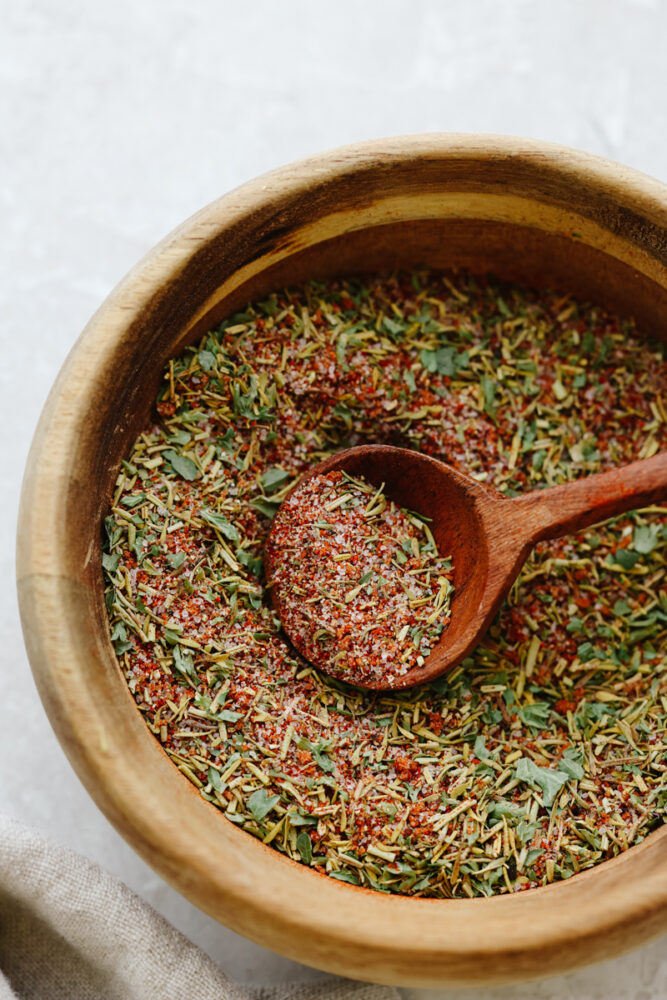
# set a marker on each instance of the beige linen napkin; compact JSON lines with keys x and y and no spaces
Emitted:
{"x":69,"y":931}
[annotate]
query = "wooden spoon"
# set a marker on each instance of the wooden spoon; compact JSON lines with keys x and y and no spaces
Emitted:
{"x":489,"y":536}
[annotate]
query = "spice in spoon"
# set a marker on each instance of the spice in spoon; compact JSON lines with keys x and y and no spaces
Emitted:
{"x":357,"y":581}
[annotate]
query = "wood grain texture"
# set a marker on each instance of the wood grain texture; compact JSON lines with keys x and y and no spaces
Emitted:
{"x":526,"y":210}
{"x":488,"y":536}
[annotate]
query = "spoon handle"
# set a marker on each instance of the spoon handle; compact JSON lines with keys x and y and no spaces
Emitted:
{"x":560,"y":510}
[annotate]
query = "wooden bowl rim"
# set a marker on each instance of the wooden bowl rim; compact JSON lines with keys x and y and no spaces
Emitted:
{"x":394,"y":939}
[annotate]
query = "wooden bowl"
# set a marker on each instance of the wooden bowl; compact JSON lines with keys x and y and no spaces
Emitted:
{"x":526,"y":210}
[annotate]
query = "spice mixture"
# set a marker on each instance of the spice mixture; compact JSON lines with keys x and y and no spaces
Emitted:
{"x":541,"y":754}
{"x":357,"y":582}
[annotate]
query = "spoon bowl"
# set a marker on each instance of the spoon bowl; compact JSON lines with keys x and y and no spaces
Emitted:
{"x":488,"y":536}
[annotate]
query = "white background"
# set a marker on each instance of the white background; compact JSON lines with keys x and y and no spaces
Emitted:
{"x":120,"y":119}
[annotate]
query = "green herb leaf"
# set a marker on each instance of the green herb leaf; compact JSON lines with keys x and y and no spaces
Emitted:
{"x":549,"y":782}
{"x":590,"y":451}
{"x":536,"y":715}
{"x":251,"y":562}
{"x":274,"y":479}
{"x":445,"y":360}
{"x":539,"y":458}
{"x":626,"y":558}
{"x":571,"y":763}
{"x":305,"y":847}
{"x":489,"y":392}
{"x":181,"y":465}
{"x":394,"y":327}
{"x":207,"y":360}
{"x":112,"y":531}
{"x":120,"y":640}
{"x":503,"y":808}
{"x":180,"y":437}
{"x":133,"y":500}
{"x":261,"y":803}
{"x":110,"y":562}
{"x":479,"y":748}
{"x":184,"y":663}
{"x":215,"y":779}
{"x":191,"y":416}
{"x":526,"y":831}
{"x":220,"y":522}
{"x":297,"y":817}
{"x":344,"y":413}
{"x":645,"y":538}
{"x":587,"y":651}
{"x":344,"y":876}
{"x":266,"y":507}
{"x":587,"y":343}
{"x":245,"y":404}
{"x":226,"y":715}
{"x":243,"y":401}
{"x":227,"y":441}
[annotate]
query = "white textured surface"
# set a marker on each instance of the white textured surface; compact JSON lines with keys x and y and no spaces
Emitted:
{"x":118,"y":120}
